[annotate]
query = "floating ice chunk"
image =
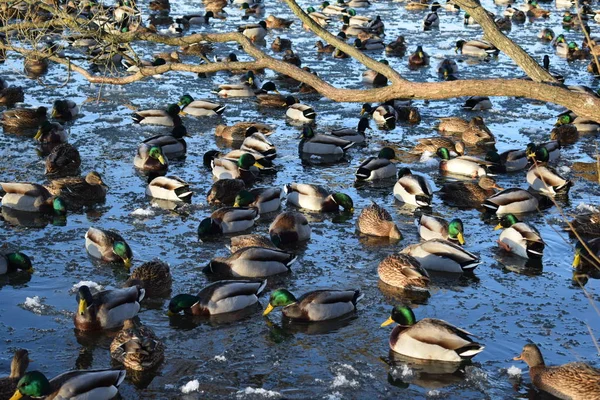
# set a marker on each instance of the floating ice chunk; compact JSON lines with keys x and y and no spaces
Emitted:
{"x":141,"y":212}
{"x":35,"y":304}
{"x":191,"y":386}
{"x":586,"y":207}
{"x":220,"y":358}
{"x":249,"y":391}
{"x":513,"y":371}
{"x":334,"y":396}
{"x":341,"y":381}
{"x":94,"y":287}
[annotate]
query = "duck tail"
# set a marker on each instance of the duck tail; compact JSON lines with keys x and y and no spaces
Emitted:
{"x":141,"y":295}
{"x":358,"y":296}
{"x":362,"y":174}
{"x":287,"y":189}
{"x":490,"y":206}
{"x":291,"y":261}
{"x":564,"y":188}
{"x":219,"y":110}
{"x":137,"y":118}
{"x":470,"y":350}
{"x":535,"y":250}
{"x":423,"y":200}
{"x":261,"y":288}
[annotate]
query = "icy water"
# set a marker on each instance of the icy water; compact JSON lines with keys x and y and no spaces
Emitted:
{"x":505,"y":304}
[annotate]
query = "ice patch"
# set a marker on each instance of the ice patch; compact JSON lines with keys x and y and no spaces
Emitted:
{"x":142,"y":212}
{"x":191,"y":386}
{"x":349,"y":368}
{"x":341,"y":381}
{"x":94,"y":287}
{"x":35,"y":305}
{"x":434,"y":393}
{"x":249,"y":391}
{"x":220,"y":358}
{"x":586,"y":208}
{"x":564,"y":169}
{"x":513,"y":371}
{"x":334,"y":396}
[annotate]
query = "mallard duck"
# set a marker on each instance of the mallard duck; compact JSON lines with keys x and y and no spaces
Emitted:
{"x":412,"y":189}
{"x":403,"y":271}
{"x":316,"y":198}
{"x":106,"y":309}
{"x":462,"y":165}
{"x":442,"y":255}
{"x":318,"y":305}
{"x":447,"y":69}
{"x":280,"y":44}
{"x":200,"y":108}
{"x":245,"y":168}
{"x":324,"y":145}
{"x":511,"y":201}
{"x":24,"y":118}
{"x":252,"y":9}
{"x":18,"y":366}
{"x":197,"y":49}
{"x":63,"y":160}
{"x":477,"y":134}
{"x":252,"y":262}
{"x":453,"y":125}
{"x":80,"y":190}
{"x":169,"y":117}
{"x":152,"y":276}
{"x":468,"y":194}
{"x":357,"y":3}
{"x":51,"y":132}
{"x":371,"y":77}
{"x":586,"y":260}
{"x":224,"y":191}
{"x":369,"y":44}
{"x":108,"y":246}
{"x":353,"y":135}
{"x":546,"y":34}
{"x":431,"y":227}
{"x":553,"y":147}
{"x":337,"y":53}
{"x":100,"y":383}
{"x":10,"y":262}
{"x":219,"y":298}
{"x":150,"y":158}
{"x":318,"y":17}
{"x":298,"y":111}
{"x":250,"y":240}
{"x":508,"y":161}
{"x":376,"y":168}
{"x":536,"y":12}
{"x":292,"y":58}
{"x":137,"y":347}
{"x":384,"y":115}
{"x":271,"y":100}
{"x":477,"y":48}
{"x":377,"y":221}
{"x":329,"y":9}
{"x":397,"y":47}
{"x":420,"y":5}
{"x":477,"y":103}
{"x":31,"y":197}
{"x":419,"y":58}
{"x":429,"y":338}
{"x":520,"y":238}
{"x":583,"y":125}
{"x":545,"y":179}
{"x":586,"y":224}
{"x":258,"y":142}
{"x":240,"y":129}
{"x":432,"y":144}
{"x":254,"y":32}
{"x":565,"y":134}
{"x":11,"y":95}
{"x":323,"y":48}
{"x":274,"y":22}
{"x":576,"y":381}
{"x":172,"y":146}
{"x":170,"y":188}
{"x":504,"y":24}
{"x":289,"y":227}
{"x":227,"y":220}
{"x":265,"y":199}
{"x":431,"y":20}
{"x":65,"y":110}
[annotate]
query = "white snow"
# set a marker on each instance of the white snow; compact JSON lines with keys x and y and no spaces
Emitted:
{"x":191,"y":386}
{"x":349,"y":368}
{"x":220,"y":358}
{"x":341,"y":381}
{"x":514,"y":371}
{"x":142,"y":212}
{"x":94,"y":287}
{"x":433,"y":393}
{"x":270,"y":394}
{"x":334,"y":396}
{"x":586,"y":207}
{"x":34,"y":304}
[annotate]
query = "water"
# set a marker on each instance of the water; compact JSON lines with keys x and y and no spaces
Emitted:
{"x":505,"y":304}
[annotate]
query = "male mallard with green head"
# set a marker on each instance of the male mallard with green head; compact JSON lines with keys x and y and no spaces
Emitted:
{"x":431,"y":227}
{"x":172,"y":146}
{"x":251,"y":262}
{"x":11,"y":262}
{"x":169,"y":117}
{"x":318,"y":305}
{"x":265,"y":199}
{"x":316,"y":198}
{"x":31,"y":197}
{"x":106,"y":309}
{"x":108,"y":246}
{"x":65,"y":110}
{"x":199,"y":108}
{"x":376,"y":168}
{"x":443,"y":255}
{"x":520,"y":238}
{"x":322,"y":145}
{"x":151,"y":159}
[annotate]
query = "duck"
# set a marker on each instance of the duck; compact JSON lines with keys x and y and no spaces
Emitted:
{"x":432,"y":20}
{"x":431,"y":227}
{"x":576,"y":381}
{"x":511,"y":201}
{"x":462,"y":165}
{"x":314,"y":306}
{"x":65,"y":110}
{"x":565,"y":134}
{"x":447,"y":69}
{"x":169,"y":117}
{"x":172,"y":146}
{"x":477,"y":103}
{"x":323,"y":48}
{"x":536,"y":12}
{"x":375,"y":220}
{"x":419,"y":58}
{"x":476,"y":48}
{"x":220,"y":297}
{"x":509,"y":161}
{"x":199,"y":108}
{"x":371,"y":77}
{"x":432,"y":144}
{"x":223,"y":191}
{"x":377,"y":168}
{"x":324,"y":145}
{"x":274,"y":22}
{"x":254,"y":32}
{"x":24,"y":118}
{"x":430,"y":338}
{"x":504,"y":24}
{"x":299,"y":112}
{"x":329,"y":9}
{"x":9,"y":95}
{"x":545,"y":179}
{"x":397,"y":47}
{"x":468,"y":194}
{"x":32,"y":197}
{"x":271,"y":100}
{"x":443,"y":255}
{"x":196,"y":19}
{"x":289,"y":227}
{"x":239,"y":131}
{"x":453,"y":125}
{"x":369,"y":44}
{"x":245,"y":90}
{"x":582,"y":124}
{"x":252,"y":9}
{"x":412,"y":189}
{"x":256,"y":141}
{"x":586,"y":257}
{"x":251,"y":262}
{"x":11,"y":262}
{"x":63,"y":160}
{"x":292,"y":58}
{"x":137,"y":347}
{"x":384,"y":115}
{"x":353,"y":135}
{"x":357,"y":3}
{"x":101,"y":383}
{"x":404,"y":272}
{"x":245,"y":168}
{"x":520,"y":238}
{"x":265,"y":199}
{"x":227,"y":220}
{"x":478,"y":135}
{"x":546,"y":34}
{"x":316,"y":198}
{"x":170,"y":188}
{"x":250,"y":240}
{"x":546,"y":65}
{"x":280,"y":44}
{"x":18,"y":366}
{"x":587,"y":224}
{"x":150,"y":158}
{"x":51,"y":132}
{"x":80,"y":190}
{"x":107,"y":309}
{"x":553,"y":147}
{"x":318,"y":17}
{"x":152,"y":276}
{"x":108,"y":246}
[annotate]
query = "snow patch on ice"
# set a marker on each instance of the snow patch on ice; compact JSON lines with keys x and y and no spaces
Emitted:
{"x":250,"y":391}
{"x":191,"y":386}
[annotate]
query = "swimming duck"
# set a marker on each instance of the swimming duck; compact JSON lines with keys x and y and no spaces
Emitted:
{"x":292,"y":58}
{"x":419,"y":58}
{"x":251,"y":262}
{"x":477,"y":103}
{"x":324,"y":145}
{"x":254,"y":32}
{"x":384,"y":115}
{"x":432,"y":144}
{"x":318,"y":305}
{"x":199,"y":108}
{"x":504,"y":24}
{"x":10,"y":262}
{"x":108,"y":246}
{"x":430,"y":338}
{"x":265,"y":199}
{"x":586,"y":260}
{"x":511,"y":201}
{"x":520,"y":238}
{"x":369,"y":44}
{"x":50,"y":132}
{"x":316,"y":198}
{"x":403,"y":271}
{"x":80,"y":190}
{"x":289,"y":227}
{"x":274,"y":22}
{"x":150,"y":158}
{"x":442,"y":255}
{"x":244,"y":168}
{"x":587,"y":224}
{"x":65,"y":110}
{"x":63,"y":160}
{"x":553,"y":147}
{"x":228,"y":220}
{"x":152,"y":276}
{"x":353,"y":135}
{"x":323,"y":48}
{"x":462,"y":165}
{"x":169,"y":117}
{"x":565,"y":134}
{"x":280,"y":44}
{"x":536,"y":12}
{"x":137,"y":347}
{"x":545,"y":179}
{"x":478,"y":135}
{"x":431,"y":227}
{"x":252,"y":9}
{"x":431,"y":20}
{"x":318,"y":17}
{"x":546,"y":34}
{"x":468,"y":194}
{"x":196,"y":19}
{"x":453,"y":125}
{"x":24,"y":118}
{"x":412,"y":189}
{"x":582,"y":124}
{"x":371,"y":77}
{"x":101,"y":383}
{"x":170,"y":188}
{"x":447,"y":69}
{"x":172,"y":146}
{"x":329,"y":9}
{"x":106,"y":309}
{"x":375,"y":220}
{"x":9,"y":95}
{"x":271,"y":100}
{"x":376,"y":168}
{"x":245,"y":90}
{"x":250,"y":240}
{"x":223,"y":191}
{"x":397,"y":47}
{"x":298,"y":111}
{"x":508,"y":161}
{"x":576,"y":381}
{"x":18,"y":366}
{"x":477,"y":48}
{"x":239,"y":130}
{"x":31,"y":197}
{"x":258,"y":142}
{"x":219,"y":298}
